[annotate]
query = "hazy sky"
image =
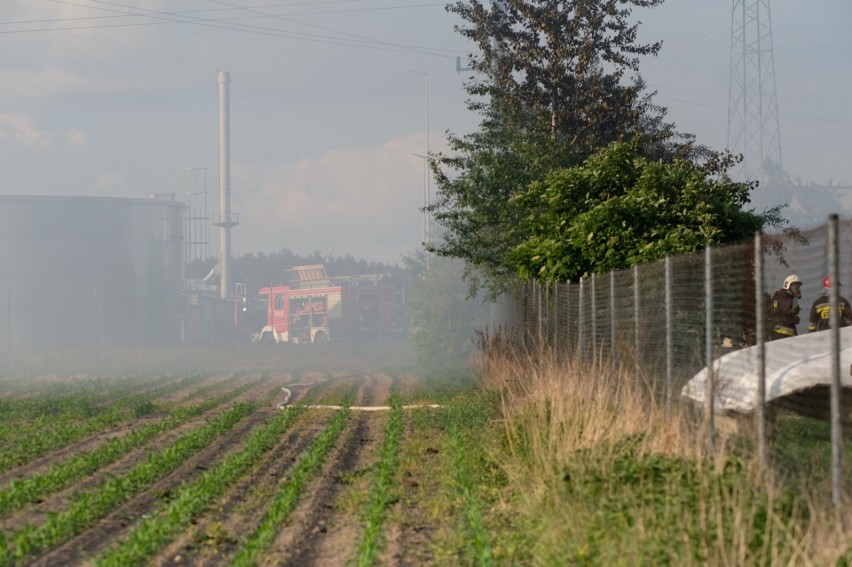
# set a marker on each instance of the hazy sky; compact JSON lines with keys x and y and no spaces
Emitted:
{"x":329,"y":104}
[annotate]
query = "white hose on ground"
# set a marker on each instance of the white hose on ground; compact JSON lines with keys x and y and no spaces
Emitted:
{"x":375,"y":408}
{"x":288,"y":393}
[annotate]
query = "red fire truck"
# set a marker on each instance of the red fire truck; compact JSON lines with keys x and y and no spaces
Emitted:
{"x":314,"y":309}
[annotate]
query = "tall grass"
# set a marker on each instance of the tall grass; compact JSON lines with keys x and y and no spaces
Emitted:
{"x":611,"y":479}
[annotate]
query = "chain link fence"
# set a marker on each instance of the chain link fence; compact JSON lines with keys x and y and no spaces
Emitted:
{"x":697,"y":328}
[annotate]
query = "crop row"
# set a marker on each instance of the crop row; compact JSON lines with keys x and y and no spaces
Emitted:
{"x":35,"y":487}
{"x":212,"y":388}
{"x":79,"y":396}
{"x":192,"y":500}
{"x":88,"y":507}
{"x":143,"y":394}
{"x":43,"y":438}
{"x":461,"y":419}
{"x":382,"y":493}
{"x":35,"y":426}
{"x":291,"y":490}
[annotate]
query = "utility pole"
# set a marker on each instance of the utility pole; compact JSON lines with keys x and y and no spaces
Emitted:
{"x":427,"y":193}
{"x":752,"y":101}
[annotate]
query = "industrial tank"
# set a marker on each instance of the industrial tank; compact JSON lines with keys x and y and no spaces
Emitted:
{"x":90,"y":272}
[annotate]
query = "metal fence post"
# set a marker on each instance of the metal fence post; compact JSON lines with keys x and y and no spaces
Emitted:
{"x":580,"y":322}
{"x":529,"y":313}
{"x":759,"y":324}
{"x":710,"y":391}
{"x":836,"y":432}
{"x":669,"y":335}
{"x":539,"y":311}
{"x":636,"y":299}
{"x":555,"y":317}
{"x":594,"y":317}
{"x":567,"y":318}
{"x":612,"y":332}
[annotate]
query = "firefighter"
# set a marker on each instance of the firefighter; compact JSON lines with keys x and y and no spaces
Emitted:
{"x":820,"y":318}
{"x":785,"y":308}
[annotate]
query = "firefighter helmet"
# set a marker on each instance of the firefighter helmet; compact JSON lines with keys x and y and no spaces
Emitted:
{"x":794,"y":285}
{"x":826,"y":283}
{"x":793,"y":278}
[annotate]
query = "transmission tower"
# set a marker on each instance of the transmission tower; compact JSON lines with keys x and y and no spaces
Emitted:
{"x":752,"y":102}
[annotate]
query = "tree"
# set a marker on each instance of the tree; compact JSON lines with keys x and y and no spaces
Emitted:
{"x":621,"y":208}
{"x":555,"y":82}
{"x":560,"y":67}
{"x":444,"y":317}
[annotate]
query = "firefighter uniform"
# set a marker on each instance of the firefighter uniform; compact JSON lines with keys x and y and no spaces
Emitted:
{"x":785,"y":309}
{"x":820,"y":317}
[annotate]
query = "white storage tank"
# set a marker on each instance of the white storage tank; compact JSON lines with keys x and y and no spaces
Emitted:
{"x":90,"y":272}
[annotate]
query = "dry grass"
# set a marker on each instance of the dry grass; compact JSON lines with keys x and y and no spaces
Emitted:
{"x":611,"y":479}
{"x":564,"y":407}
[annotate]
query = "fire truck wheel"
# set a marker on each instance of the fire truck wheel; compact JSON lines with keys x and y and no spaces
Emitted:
{"x":267,"y":340}
{"x":320,"y":338}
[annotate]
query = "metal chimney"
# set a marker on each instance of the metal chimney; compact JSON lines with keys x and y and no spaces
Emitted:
{"x":225,"y":219}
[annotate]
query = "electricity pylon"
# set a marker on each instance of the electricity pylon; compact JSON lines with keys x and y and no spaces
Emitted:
{"x":752,"y":103}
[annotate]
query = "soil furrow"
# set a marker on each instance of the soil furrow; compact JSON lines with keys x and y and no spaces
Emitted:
{"x":325,"y":528}
{"x":90,"y":443}
{"x":108,"y":529}
{"x":58,"y":501}
{"x":409,"y":528}
{"x":212,"y":540}
{"x":327,"y":522}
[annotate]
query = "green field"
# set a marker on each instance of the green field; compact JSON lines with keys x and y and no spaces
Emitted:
{"x":189,"y":457}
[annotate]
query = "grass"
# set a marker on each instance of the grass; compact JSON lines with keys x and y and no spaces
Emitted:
{"x":604,"y":477}
{"x":451,"y":461}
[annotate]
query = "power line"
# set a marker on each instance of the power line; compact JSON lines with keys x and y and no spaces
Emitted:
{"x":166,"y":17}
{"x":299,"y":22}
{"x":789,"y":118}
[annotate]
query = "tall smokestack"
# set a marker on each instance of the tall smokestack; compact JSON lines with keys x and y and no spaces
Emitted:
{"x":225,"y":219}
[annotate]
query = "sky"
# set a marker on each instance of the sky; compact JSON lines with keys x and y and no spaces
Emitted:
{"x":334,"y":103}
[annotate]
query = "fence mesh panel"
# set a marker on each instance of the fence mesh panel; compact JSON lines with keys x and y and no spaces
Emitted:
{"x":654,"y":319}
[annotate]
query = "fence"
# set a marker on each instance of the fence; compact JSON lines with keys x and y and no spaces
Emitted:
{"x":696,"y":327}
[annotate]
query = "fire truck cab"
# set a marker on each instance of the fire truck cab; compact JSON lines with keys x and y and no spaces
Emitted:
{"x":300,"y":316}
{"x":312,"y":309}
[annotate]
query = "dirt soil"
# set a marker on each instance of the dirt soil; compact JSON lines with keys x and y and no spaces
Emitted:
{"x":326,"y":526}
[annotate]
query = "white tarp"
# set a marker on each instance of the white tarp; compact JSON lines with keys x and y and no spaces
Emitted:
{"x":792,"y":365}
